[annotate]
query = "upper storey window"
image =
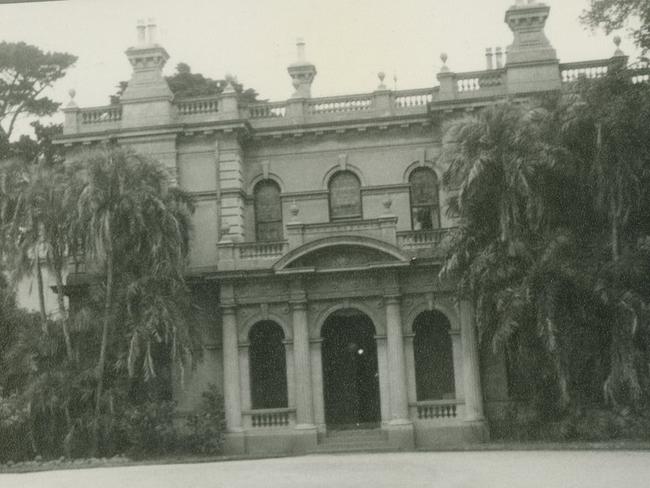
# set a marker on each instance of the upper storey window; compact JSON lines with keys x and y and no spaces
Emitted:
{"x":268,"y":211}
{"x":425,"y":209}
{"x":345,"y":196}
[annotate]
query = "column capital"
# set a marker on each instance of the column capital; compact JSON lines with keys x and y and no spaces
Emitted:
{"x":228,"y":308}
{"x":393,"y":299}
{"x":298,"y":304}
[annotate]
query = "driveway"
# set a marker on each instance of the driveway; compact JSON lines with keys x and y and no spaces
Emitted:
{"x":494,"y":469}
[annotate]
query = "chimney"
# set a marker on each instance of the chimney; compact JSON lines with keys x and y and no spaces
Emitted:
{"x":141,"y":28}
{"x":147,"y":82}
{"x":302,"y":72}
{"x":488,"y":58}
{"x":530,"y":44}
{"x":151,"y":31}
{"x":499,"y":57}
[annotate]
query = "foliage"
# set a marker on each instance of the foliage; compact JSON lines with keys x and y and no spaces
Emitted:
{"x":207,"y":426}
{"x":183,"y":83}
{"x":553,"y":204}
{"x":149,"y":429}
{"x":615,"y":14}
{"x":25,"y":73}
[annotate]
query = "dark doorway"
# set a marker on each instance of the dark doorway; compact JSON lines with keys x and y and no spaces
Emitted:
{"x":351,"y":378}
{"x":268,"y":367}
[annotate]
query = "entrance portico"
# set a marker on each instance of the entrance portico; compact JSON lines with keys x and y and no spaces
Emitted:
{"x":356,"y":349}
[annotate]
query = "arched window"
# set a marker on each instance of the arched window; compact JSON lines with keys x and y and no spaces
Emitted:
{"x":268,"y":367}
{"x":268,"y":211}
{"x":434,"y":364}
{"x":345,"y":196}
{"x":425,"y":209}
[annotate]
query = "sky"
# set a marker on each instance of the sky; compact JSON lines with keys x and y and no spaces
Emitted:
{"x":349,"y":41}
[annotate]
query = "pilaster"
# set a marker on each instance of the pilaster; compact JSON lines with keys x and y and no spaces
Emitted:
{"x":229,"y":156}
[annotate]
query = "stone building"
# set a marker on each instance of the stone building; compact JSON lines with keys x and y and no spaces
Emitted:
{"x":316,"y":242}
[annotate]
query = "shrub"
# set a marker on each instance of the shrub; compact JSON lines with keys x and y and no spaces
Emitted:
{"x":205,"y":428}
{"x":149,"y":429}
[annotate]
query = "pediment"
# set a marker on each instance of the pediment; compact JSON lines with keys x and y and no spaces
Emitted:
{"x":342,"y":256}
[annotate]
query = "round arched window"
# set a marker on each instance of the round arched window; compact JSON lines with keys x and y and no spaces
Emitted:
{"x":345,"y":196}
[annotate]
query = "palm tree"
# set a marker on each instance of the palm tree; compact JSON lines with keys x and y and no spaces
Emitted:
{"x":135,"y":227}
{"x":498,"y":163}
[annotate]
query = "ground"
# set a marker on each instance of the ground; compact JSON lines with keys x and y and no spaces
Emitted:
{"x":498,"y":469}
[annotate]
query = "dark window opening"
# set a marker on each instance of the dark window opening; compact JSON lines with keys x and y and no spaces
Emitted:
{"x":345,"y":196}
{"x":268,"y":211}
{"x":425,"y":208}
{"x":268,"y":367}
{"x":434,"y":363}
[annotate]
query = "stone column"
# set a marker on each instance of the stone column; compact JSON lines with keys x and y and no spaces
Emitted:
{"x":306,"y":438}
{"x":471,"y":374}
{"x":396,"y":364}
{"x":231,"y":390}
{"x":302,"y":365}
{"x":317,"y":382}
{"x":400,"y":428}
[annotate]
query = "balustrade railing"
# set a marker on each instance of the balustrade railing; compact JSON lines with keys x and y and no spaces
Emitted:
{"x":195,"y":106}
{"x":354,"y":103}
{"x":478,"y":80}
{"x":255,"y":250}
{"x":267,"y":110}
{"x":413,"y":98}
{"x":640,"y":72}
{"x":420,"y":239}
{"x":570,"y":72}
{"x":437,"y":409}
{"x":269,"y":418}
{"x":99,"y":115}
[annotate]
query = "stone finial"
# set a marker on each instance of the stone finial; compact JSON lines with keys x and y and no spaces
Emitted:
{"x":444,"y":68}
{"x":302,"y":72}
{"x":72,"y":92}
{"x":617,"y":43}
{"x":381,"y":75}
{"x":488,"y":58}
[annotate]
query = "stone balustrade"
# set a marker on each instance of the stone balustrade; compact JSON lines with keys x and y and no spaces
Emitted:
{"x":101,"y":115}
{"x":332,"y":105}
{"x":466,"y":88}
{"x":194,"y":106}
{"x":256,"y":250}
{"x":570,"y":72}
{"x":269,"y":418}
{"x":267,"y":110}
{"x":436,"y":410}
{"x":421,"y":239}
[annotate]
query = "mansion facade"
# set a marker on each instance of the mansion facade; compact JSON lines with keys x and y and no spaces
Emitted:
{"x":316,"y":245}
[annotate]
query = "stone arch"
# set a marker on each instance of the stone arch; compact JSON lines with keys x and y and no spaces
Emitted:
{"x":360,"y":241}
{"x":267,"y":365}
{"x":338,"y":167}
{"x":423,"y":306}
{"x":261,"y":177}
{"x":375,"y":318}
{"x":421,"y":164}
{"x":248,"y":324}
{"x":433,"y":357}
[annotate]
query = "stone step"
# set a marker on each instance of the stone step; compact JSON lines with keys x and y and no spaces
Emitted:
{"x":353,"y":440}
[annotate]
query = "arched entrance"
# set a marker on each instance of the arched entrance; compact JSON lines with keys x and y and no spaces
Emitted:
{"x":350,"y":372}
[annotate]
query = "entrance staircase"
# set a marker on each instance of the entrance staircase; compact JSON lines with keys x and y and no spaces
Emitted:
{"x":353,"y":440}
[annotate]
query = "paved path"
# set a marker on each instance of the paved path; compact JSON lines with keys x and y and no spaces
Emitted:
{"x":495,"y":469}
